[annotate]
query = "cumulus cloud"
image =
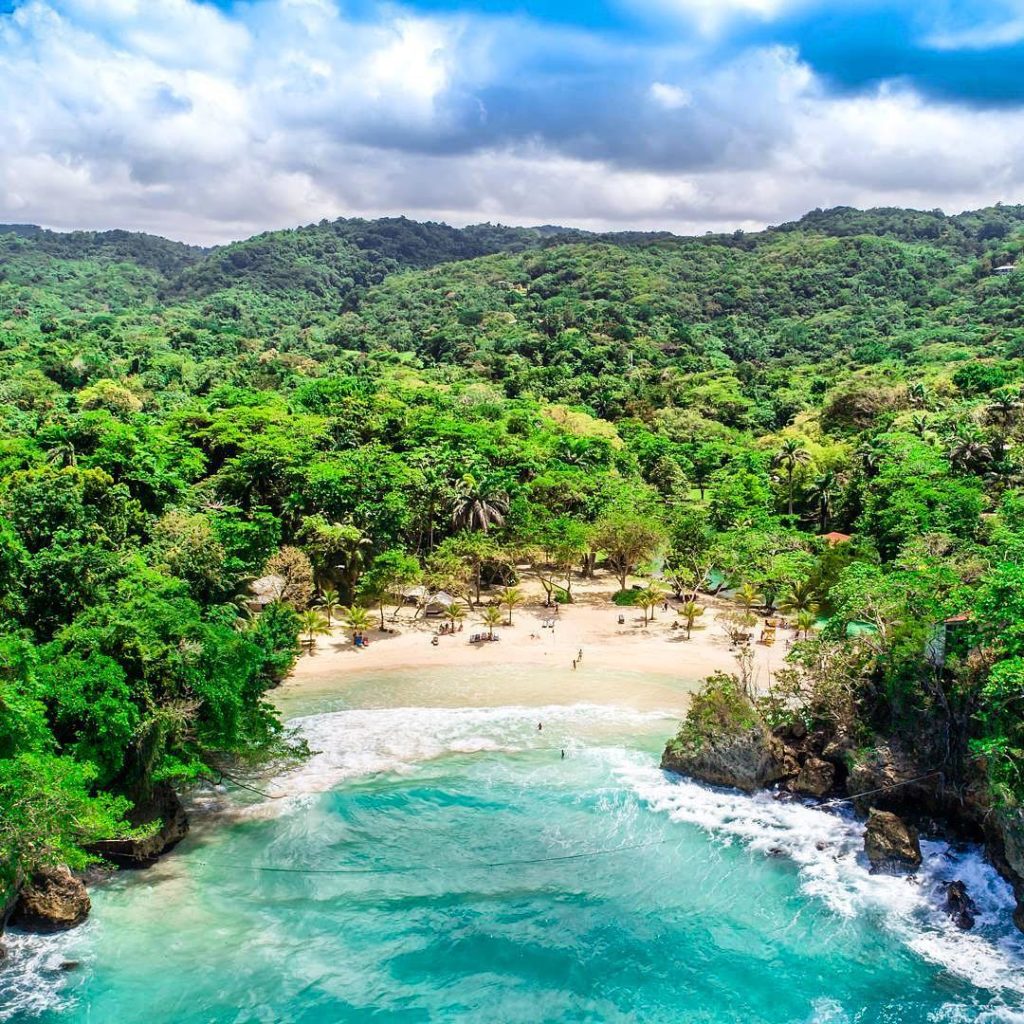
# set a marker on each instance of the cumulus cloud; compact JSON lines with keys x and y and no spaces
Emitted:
{"x":178,"y":117}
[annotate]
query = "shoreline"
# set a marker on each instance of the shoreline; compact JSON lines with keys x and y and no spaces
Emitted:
{"x":590,"y":624}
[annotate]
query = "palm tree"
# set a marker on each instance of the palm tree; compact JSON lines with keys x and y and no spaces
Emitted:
{"x":799,"y":597}
{"x":870,"y":459}
{"x":455,"y":613}
{"x":921,"y":425}
{"x":805,"y":621}
{"x":479,"y":505}
{"x":1004,"y":410}
{"x":62,"y":454}
{"x":490,"y":617}
{"x":511,"y":599}
{"x":918,"y":394}
{"x":690,"y":611}
{"x":789,"y":456}
{"x":329,"y":603}
{"x":969,"y":450}
{"x":356,"y":619}
{"x":657,"y":591}
{"x":356,"y":552}
{"x":747,"y":596}
{"x":822,"y":493}
{"x":645,"y":600}
{"x":312,"y":624}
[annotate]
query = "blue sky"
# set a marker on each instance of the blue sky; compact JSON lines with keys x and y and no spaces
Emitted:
{"x":211,"y":121}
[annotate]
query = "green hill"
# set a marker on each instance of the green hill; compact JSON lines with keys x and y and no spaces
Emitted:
{"x":349,"y":402}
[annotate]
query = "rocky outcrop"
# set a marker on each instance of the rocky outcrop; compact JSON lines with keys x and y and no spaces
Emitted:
{"x":816,"y":778}
{"x":1004,"y":835}
{"x":53,"y":900}
{"x":164,"y":810}
{"x":7,"y":904}
{"x":749,"y":761}
{"x":724,"y":742}
{"x":890,"y":843}
{"x":884,"y":777}
{"x":959,"y":905}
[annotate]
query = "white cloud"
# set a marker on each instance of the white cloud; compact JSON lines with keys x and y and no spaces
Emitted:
{"x":176,"y":118}
{"x":996,"y":24}
{"x":671,"y":97}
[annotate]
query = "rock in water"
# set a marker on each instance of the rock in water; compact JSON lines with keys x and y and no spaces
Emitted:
{"x":890,"y":843}
{"x":51,"y":902}
{"x":816,"y":778}
{"x":724,"y":741}
{"x":960,"y":906}
{"x":163,"y":806}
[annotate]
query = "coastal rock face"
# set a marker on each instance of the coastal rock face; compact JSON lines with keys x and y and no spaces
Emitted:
{"x":890,"y":843}
{"x":163,"y":806}
{"x":1004,"y":834}
{"x":889,"y":778}
{"x":7,"y":905}
{"x":815,"y":778}
{"x":724,"y":742}
{"x":52,"y":901}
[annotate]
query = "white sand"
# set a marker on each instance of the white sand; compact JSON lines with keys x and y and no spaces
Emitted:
{"x":590,"y":623}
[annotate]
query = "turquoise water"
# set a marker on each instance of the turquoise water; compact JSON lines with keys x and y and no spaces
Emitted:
{"x":447,"y":864}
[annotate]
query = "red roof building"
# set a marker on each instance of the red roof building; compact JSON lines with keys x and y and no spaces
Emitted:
{"x":835,"y":537}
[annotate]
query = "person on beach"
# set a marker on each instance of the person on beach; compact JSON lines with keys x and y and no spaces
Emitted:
{"x":574,"y":664}
{"x":540,"y":727}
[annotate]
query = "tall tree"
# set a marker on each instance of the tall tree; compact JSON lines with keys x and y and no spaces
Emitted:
{"x":791,"y":455}
{"x":627,"y":539}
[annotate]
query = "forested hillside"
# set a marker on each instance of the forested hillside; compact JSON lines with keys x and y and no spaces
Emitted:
{"x":362,"y":405}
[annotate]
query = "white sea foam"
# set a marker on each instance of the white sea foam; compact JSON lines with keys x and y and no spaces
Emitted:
{"x":359,"y":743}
{"x":33,"y":982}
{"x":827,"y":848}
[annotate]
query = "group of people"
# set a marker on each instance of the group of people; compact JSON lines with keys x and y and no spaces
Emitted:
{"x":448,"y":629}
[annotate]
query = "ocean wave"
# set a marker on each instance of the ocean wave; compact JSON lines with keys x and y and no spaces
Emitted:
{"x":35,"y":980}
{"x":827,"y":848}
{"x":362,"y":743}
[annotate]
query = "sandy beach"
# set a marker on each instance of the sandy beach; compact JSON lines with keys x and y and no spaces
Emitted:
{"x":590,"y":623}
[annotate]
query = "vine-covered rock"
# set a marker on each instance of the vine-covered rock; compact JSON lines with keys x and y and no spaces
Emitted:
{"x":724,"y":741}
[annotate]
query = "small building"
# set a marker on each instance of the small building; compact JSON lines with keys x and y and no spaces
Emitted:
{"x":948,"y":634}
{"x":1006,"y":268}
{"x":414,"y":595}
{"x":266,"y":590}
{"x":835,"y":537}
{"x":439,"y":603}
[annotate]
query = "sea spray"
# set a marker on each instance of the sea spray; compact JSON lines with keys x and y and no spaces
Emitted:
{"x":360,"y":743}
{"x":826,"y":846}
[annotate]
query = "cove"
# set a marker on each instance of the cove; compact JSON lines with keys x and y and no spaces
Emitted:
{"x":446,"y":863}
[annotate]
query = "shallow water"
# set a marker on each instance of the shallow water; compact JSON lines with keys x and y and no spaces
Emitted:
{"x":447,"y":864}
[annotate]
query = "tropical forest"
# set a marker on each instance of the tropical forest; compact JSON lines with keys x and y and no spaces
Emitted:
{"x":216,"y":464}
